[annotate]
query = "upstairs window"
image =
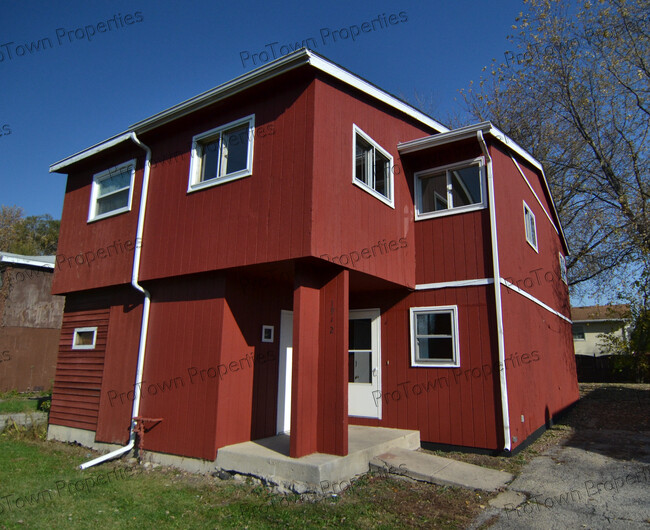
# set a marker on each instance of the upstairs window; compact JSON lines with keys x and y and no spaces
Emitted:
{"x":449,"y":189}
{"x":434,"y":336}
{"x":112,"y":191}
{"x":222,"y":154}
{"x":372,"y":167}
{"x":530,"y":227}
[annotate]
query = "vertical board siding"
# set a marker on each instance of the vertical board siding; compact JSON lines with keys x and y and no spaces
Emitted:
{"x":458,"y":408}
{"x":78,"y":380}
{"x":345,"y":217}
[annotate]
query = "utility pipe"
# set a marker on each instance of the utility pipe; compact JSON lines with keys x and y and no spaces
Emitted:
{"x":497,"y":294}
{"x":145,"y":312}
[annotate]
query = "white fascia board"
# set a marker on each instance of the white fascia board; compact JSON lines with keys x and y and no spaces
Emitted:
{"x":263,"y":73}
{"x":26,"y":261}
{"x":86,"y":153}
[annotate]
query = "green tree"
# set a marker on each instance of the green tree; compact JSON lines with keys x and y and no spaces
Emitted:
{"x":575,"y":92}
{"x":36,"y":235}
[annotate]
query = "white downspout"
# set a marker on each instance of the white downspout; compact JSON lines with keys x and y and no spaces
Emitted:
{"x":497,"y":294}
{"x":145,"y":312}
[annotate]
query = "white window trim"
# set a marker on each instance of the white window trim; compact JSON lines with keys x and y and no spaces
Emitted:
{"x":563,"y":271}
{"x":390,"y":200}
{"x":194,"y":182}
{"x":84,"y":346}
{"x":97,"y":178}
{"x":455,"y":362}
{"x":417,"y":187}
{"x":536,"y":245}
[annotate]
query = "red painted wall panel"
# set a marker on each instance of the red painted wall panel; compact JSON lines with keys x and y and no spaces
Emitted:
{"x":448,"y":405}
{"x":345,"y":217}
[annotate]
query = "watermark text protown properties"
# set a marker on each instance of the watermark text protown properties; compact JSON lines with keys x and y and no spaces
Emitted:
{"x":88,"y":257}
{"x":194,"y":374}
{"x":592,"y":488}
{"x":382,"y":21}
{"x":62,"y":486}
{"x":367,"y":253}
{"x":11,"y":50}
{"x":460,"y":377}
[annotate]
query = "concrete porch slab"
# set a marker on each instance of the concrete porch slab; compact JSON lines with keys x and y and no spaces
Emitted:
{"x":444,"y":471}
{"x":269,"y":459}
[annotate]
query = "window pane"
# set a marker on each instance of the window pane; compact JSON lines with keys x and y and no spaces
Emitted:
{"x":114,"y":183}
{"x":435,"y":348}
{"x":578,"y":333}
{"x":434,"y":193}
{"x":360,"y":367}
{"x":466,"y":186}
{"x":210,"y":160}
{"x":434,"y":324}
{"x":235,"y":150}
{"x":360,"y":337}
{"x":362,"y":160}
{"x":84,"y":338}
{"x":112,"y":202}
{"x":382,"y":172}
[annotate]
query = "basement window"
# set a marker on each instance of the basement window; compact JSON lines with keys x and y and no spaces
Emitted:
{"x":530,"y":227}
{"x":450,"y":189}
{"x":222,"y":154}
{"x":112,"y":191}
{"x":434,"y":337}
{"x":372,"y":167}
{"x":84,"y":338}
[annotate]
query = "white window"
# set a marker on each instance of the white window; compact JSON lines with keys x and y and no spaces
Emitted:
{"x":563,"y":273}
{"x":112,"y":191}
{"x":450,"y":189}
{"x":84,"y":338}
{"x":530,"y":226}
{"x":434,"y":336}
{"x":372,"y":167}
{"x":222,"y":154}
{"x":578,"y":332}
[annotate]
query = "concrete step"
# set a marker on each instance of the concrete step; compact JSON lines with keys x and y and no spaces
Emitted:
{"x":438,"y":470}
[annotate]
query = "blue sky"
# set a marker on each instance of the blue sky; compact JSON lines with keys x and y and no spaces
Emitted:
{"x":79,"y":89}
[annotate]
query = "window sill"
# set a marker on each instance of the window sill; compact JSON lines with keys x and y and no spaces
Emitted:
{"x":452,"y":211}
{"x":218,"y":181}
{"x":110,"y":214}
{"x":374,"y":193}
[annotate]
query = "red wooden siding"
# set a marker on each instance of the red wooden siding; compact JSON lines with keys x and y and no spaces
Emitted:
{"x":455,"y":407}
{"x":78,"y":380}
{"x":346,"y":218}
{"x":518,"y":261}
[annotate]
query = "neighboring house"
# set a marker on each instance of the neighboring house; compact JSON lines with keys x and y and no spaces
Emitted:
{"x":298,"y":250}
{"x":30,"y":322}
{"x":589,"y":323}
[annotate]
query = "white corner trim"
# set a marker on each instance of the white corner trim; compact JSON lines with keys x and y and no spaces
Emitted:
{"x":533,"y":299}
{"x":456,"y":283}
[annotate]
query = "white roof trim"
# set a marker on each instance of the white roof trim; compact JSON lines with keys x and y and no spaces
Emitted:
{"x":4,"y":258}
{"x":263,"y":73}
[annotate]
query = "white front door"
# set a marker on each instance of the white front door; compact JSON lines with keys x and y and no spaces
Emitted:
{"x":284,"y":382}
{"x":364,"y":366}
{"x":364,"y":362}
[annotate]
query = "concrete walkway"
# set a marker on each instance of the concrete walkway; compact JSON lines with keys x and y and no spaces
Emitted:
{"x":443,"y":471}
{"x":389,"y":450}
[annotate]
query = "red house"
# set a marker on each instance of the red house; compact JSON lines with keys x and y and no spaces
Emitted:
{"x":298,"y":250}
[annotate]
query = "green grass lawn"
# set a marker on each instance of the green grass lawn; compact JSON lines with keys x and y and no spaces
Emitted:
{"x":42,"y":487}
{"x":11,"y":402}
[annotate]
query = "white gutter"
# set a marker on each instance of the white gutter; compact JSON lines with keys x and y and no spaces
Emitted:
{"x":145,"y":311}
{"x":497,"y":294}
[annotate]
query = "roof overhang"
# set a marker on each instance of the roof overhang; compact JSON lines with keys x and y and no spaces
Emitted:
{"x":278,"y":67}
{"x":469,"y":132}
{"x":34,"y":261}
